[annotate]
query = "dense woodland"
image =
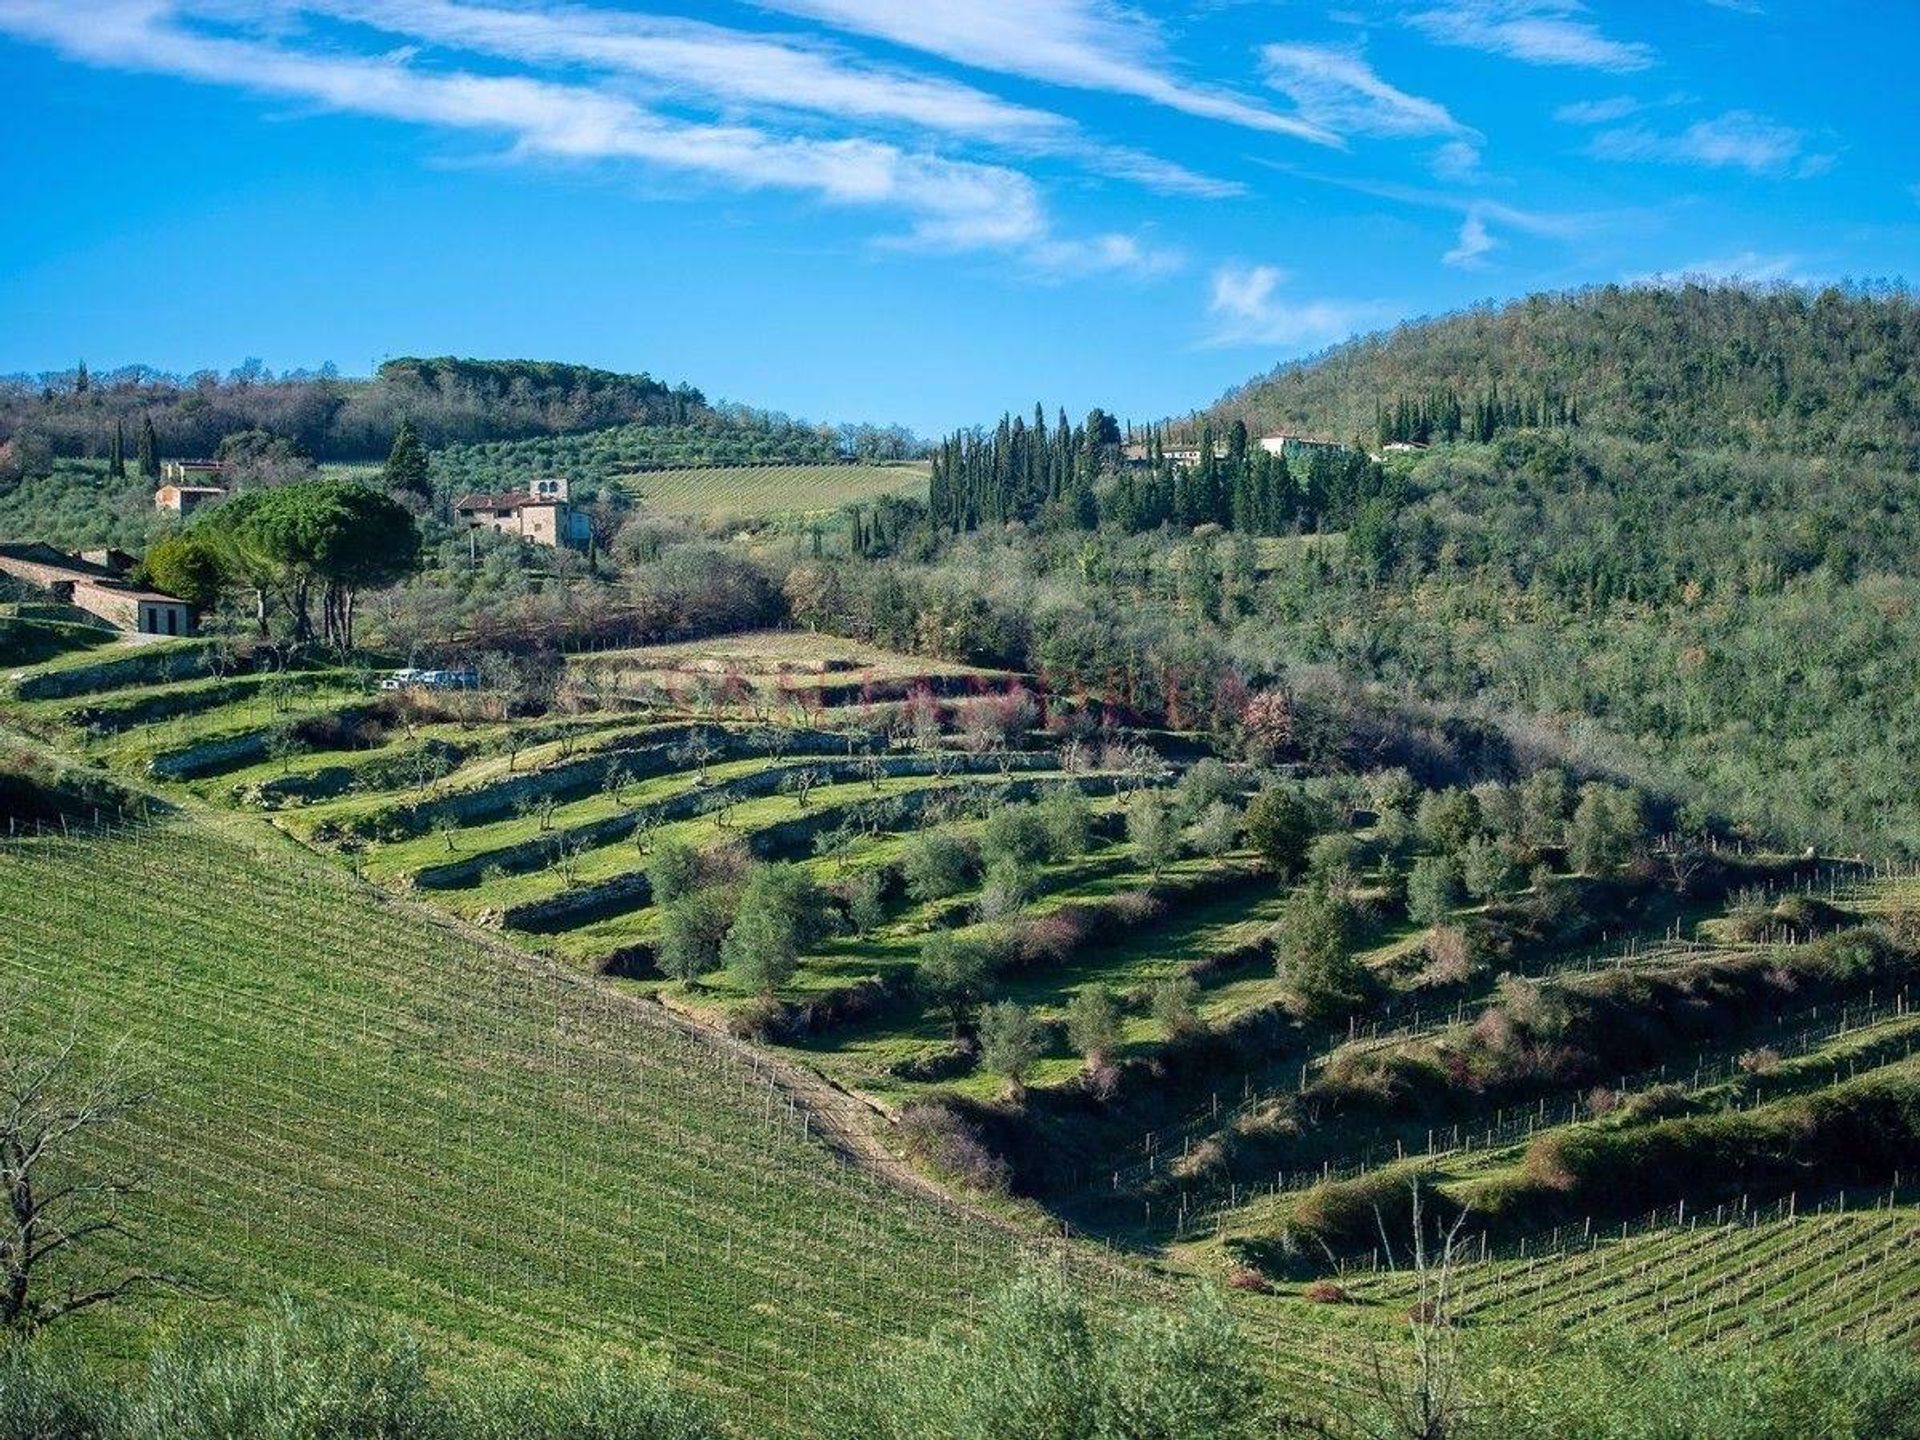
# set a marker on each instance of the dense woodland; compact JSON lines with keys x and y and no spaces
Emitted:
{"x":1832,"y":373}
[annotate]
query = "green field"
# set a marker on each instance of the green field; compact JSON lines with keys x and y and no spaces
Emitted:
{"x":767,"y":490}
{"x":356,"y":1104}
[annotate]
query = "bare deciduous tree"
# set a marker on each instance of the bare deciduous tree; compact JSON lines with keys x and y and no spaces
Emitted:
{"x":50,"y":1102}
{"x":1426,"y":1399}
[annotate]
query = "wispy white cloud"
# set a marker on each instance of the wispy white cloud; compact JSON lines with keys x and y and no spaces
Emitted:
{"x":1599,"y":112}
{"x":1337,"y":91}
{"x":1564,"y":226}
{"x":693,"y":57}
{"x":945,"y":203}
{"x":1474,"y":244}
{"x":948,"y":203}
{"x":1246,"y":308}
{"x":1457,"y":161}
{"x":1125,"y":256}
{"x":1738,"y":139}
{"x":1081,"y":44}
{"x":1539,"y":32}
{"x":760,"y":71}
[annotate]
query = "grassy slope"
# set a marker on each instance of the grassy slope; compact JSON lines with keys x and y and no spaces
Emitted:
{"x":770,"y":489}
{"x":357,"y":1104}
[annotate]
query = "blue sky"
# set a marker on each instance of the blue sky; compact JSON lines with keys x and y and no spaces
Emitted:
{"x":922,"y":211}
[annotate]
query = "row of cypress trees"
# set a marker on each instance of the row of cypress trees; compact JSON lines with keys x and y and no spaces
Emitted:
{"x":1082,"y":477}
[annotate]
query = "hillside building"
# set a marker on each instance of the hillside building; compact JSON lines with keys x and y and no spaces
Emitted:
{"x":1289,"y":446}
{"x":101,"y":590}
{"x":542,"y":514}
{"x":183,"y":500}
{"x":1183,"y":456}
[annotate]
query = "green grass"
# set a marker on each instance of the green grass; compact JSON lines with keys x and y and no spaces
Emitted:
{"x":766,"y":490}
{"x":356,"y":1105}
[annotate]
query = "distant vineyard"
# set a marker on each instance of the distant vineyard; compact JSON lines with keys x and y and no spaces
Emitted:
{"x":602,"y":456}
{"x":771,"y":489}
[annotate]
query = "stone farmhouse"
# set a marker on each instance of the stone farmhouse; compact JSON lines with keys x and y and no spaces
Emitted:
{"x":183,"y":500}
{"x":540,"y":515}
{"x":98,"y":586}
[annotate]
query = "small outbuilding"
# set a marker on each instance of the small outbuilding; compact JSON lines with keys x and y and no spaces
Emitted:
{"x":183,"y":500}
{"x":99,"y":589}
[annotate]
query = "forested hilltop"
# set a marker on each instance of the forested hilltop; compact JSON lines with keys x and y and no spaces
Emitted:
{"x":1666,"y":531}
{"x":324,"y":416}
{"x":1829,"y":373}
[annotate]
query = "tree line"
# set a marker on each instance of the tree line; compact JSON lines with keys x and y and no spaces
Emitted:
{"x":1082,"y":477}
{"x":1440,"y":415}
{"x":324,"y":415}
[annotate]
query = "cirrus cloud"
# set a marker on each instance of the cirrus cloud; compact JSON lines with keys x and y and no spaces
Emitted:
{"x":1246,"y":307}
{"x":1738,"y":140}
{"x":1538,"y":32}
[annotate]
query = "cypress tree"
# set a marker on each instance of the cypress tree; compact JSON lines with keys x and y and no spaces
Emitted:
{"x":117,"y":464}
{"x":406,"y":470}
{"x":149,"y":449}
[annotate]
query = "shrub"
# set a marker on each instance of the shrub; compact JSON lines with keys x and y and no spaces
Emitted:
{"x":953,"y":974}
{"x":1068,"y":820}
{"x":294,"y":1377}
{"x":780,"y":911}
{"x":1154,"y":831}
{"x":587,"y":1402}
{"x":1009,"y":884}
{"x":1016,"y":834}
{"x":1448,"y":819}
{"x":1039,"y":1364}
{"x":49,"y":1396}
{"x":1486,"y":869}
{"x":1205,"y":784}
{"x":1326,"y":1292}
{"x":1280,"y":826}
{"x":692,"y":930}
{"x":1434,"y":890}
{"x":1349,"y":1216}
{"x":673,"y":870}
{"x":1216,"y":830}
{"x":953,"y":1146}
{"x":937,"y":865}
{"x":1607,"y":829}
{"x":1455,"y":953}
{"x":867,"y":901}
{"x":1174,"y":1007}
{"x":1315,"y":956}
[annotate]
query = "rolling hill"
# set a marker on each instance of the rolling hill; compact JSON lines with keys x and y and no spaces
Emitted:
{"x":1831,"y":373}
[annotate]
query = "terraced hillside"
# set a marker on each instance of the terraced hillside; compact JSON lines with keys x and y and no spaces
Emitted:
{"x":1521,"y":1054}
{"x":355,"y":1104}
{"x":1753,"y":1183}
